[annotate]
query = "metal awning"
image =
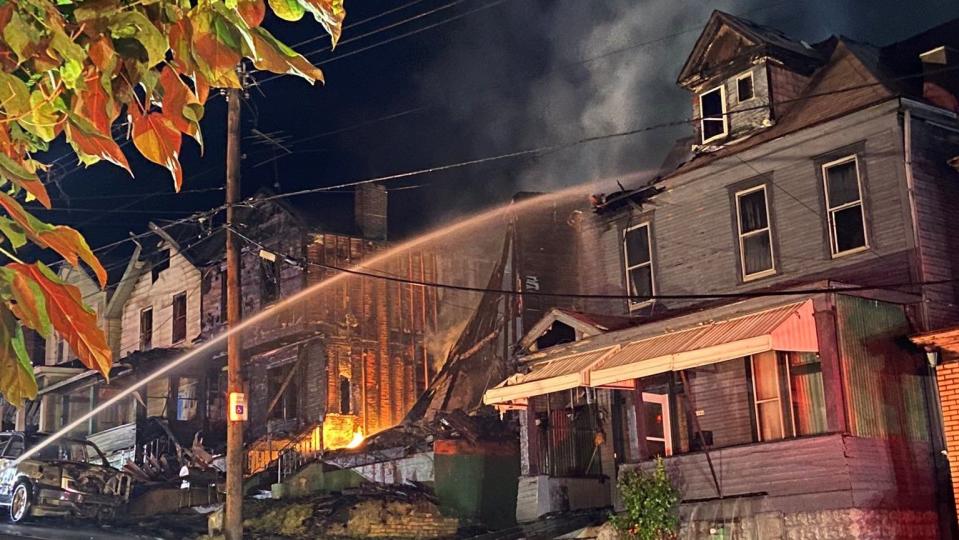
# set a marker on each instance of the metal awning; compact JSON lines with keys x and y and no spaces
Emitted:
{"x":551,"y":374}
{"x":785,"y":328}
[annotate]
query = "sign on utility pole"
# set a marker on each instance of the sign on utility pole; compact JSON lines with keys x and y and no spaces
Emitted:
{"x":233,"y":518}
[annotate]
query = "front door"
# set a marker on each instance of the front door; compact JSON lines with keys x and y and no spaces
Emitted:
{"x":656,"y":412}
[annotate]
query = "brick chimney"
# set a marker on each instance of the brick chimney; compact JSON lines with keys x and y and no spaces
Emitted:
{"x":940,"y":84}
{"x":369,"y":211}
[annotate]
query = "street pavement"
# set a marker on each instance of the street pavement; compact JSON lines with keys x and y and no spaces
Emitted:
{"x":65,"y":530}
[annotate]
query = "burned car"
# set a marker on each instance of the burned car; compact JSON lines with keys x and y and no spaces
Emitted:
{"x":69,"y":477}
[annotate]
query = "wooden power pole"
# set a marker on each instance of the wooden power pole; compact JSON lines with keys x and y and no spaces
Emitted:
{"x":233,"y":518}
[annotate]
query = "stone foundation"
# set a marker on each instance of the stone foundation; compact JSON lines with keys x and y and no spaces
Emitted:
{"x":849,"y":523}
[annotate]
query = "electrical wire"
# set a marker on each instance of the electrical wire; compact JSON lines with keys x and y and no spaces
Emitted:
{"x":588,"y":296}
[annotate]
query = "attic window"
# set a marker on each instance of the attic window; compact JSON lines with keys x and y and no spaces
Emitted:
{"x":162,"y":263}
{"x":744,"y":87}
{"x":712,"y":106}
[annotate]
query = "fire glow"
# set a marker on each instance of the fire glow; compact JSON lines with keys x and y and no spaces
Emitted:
{"x":357,"y":440}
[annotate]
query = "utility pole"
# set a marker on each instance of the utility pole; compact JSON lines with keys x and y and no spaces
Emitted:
{"x":233,"y":518}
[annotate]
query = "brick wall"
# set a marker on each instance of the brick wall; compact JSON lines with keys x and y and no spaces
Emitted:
{"x":947,"y":376}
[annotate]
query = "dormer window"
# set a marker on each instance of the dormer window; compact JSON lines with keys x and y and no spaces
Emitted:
{"x":712,"y":106}
{"x":744,"y":87}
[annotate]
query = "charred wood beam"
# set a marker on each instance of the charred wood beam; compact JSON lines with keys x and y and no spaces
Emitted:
{"x":286,"y":383}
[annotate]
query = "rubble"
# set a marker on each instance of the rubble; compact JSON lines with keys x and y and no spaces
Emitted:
{"x":368,"y":511}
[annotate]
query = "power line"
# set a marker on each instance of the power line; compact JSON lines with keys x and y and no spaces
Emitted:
{"x":587,"y":296}
{"x":359,"y":22}
{"x":398,"y":37}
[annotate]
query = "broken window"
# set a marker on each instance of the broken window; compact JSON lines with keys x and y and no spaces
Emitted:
{"x":755,"y":236}
{"x":186,"y":402}
{"x":158,"y":393}
{"x":269,"y":281}
{"x":282,"y":378}
{"x":712,"y":106}
{"x":744,"y":87}
{"x":639,"y":264}
{"x":146,"y":329}
{"x":345,"y":395}
{"x":846,"y":221}
{"x":179,"y":318}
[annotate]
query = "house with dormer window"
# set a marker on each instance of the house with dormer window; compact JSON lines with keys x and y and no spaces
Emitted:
{"x":814,"y":203}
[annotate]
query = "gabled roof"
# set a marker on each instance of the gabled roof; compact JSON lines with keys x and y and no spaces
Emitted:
{"x":844,"y":85}
{"x":125,"y":285}
{"x":727,"y":38}
{"x":587,"y":324}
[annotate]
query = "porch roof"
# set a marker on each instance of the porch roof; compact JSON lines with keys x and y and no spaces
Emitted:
{"x":789,"y":327}
{"x":550,"y":374}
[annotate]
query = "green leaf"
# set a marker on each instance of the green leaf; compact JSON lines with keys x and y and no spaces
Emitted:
{"x":135,"y":25}
{"x":42,"y":120}
{"x":14,"y":95}
{"x":73,"y":57}
{"x":288,"y":10}
{"x":13,"y":233}
{"x":19,"y":35}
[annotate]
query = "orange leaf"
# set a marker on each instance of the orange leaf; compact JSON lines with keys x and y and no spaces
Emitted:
{"x":11,"y":169}
{"x":252,"y":11}
{"x":159,"y":141}
{"x":278,"y":58}
{"x":102,"y":54}
{"x":29,"y":307}
{"x":89,"y":142}
{"x":71,"y":245}
{"x":215,"y":59}
{"x":96,"y":105}
{"x":76,"y":324}
{"x":62,"y":239}
{"x":176,"y":96}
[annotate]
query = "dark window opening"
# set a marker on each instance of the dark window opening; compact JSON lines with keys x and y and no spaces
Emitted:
{"x":713,"y":112}
{"x":179,"y":317}
{"x":162,"y":262}
{"x":286,"y":405}
{"x":146,"y":329}
{"x":269,"y":281}
{"x":558,"y":333}
{"x":345,"y":395}
{"x":744,"y":87}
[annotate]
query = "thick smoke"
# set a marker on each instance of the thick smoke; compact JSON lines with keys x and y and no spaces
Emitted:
{"x":517,"y":79}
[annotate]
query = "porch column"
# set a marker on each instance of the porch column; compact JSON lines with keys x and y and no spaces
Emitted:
{"x":640,"y":419}
{"x":826,"y":333}
{"x":529,"y":441}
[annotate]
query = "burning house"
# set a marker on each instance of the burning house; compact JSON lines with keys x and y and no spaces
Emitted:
{"x":816,"y":190}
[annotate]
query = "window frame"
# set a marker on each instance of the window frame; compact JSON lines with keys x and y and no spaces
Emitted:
{"x":741,"y":236}
{"x":174,"y":320}
{"x":752,"y":86}
{"x":702,"y":115}
{"x":144,"y":346}
{"x":778,"y":399}
{"x":831,"y":211}
{"x":633,"y":304}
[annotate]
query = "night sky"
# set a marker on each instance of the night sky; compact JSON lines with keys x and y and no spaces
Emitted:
{"x":504,"y":76}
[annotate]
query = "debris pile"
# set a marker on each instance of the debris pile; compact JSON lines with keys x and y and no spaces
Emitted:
{"x":165,"y":460}
{"x":368,"y":511}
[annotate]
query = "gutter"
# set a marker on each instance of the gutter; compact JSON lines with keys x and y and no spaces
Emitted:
{"x":913,"y":210}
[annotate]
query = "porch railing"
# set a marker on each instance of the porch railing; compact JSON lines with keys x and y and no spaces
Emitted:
{"x":290,"y":454}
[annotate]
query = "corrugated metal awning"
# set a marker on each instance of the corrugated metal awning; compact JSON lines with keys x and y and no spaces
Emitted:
{"x":552,"y":374}
{"x":785,"y":328}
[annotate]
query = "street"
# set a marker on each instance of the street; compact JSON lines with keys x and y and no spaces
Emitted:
{"x":62,"y":530}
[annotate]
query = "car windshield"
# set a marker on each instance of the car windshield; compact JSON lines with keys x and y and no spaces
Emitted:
{"x":68,"y":450}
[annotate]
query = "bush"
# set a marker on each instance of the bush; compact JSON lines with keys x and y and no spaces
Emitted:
{"x":651,"y":505}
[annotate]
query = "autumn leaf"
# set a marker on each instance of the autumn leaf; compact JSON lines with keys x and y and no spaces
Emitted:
{"x":43,"y":120}
{"x":14,"y":95}
{"x":67,"y":242}
{"x":278,"y":58}
{"x":18,"y":174}
{"x":73,"y":321}
{"x":17,"y":382}
{"x":159,"y":141}
{"x":12,"y":232}
{"x":214,"y":57}
{"x":133,"y":25}
{"x":330,"y":14}
{"x":288,"y":10}
{"x":29,"y":305}
{"x":20,"y":35}
{"x":252,"y":11}
{"x":180,"y":106}
{"x":87,"y":141}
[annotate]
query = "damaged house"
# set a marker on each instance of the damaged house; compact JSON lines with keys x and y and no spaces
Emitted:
{"x":817,"y":189}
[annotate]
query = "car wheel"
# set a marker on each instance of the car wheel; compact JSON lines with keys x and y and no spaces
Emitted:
{"x":20,"y":503}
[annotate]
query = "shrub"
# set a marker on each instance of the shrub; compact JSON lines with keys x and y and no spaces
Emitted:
{"x":651,"y":505}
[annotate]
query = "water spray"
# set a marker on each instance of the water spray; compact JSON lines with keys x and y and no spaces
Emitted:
{"x":265,"y":314}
